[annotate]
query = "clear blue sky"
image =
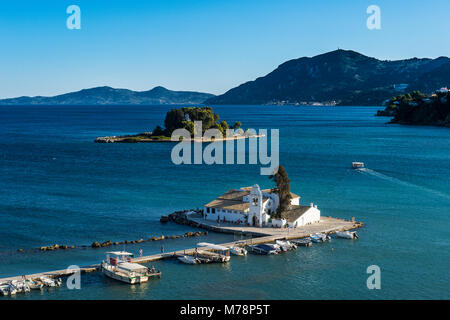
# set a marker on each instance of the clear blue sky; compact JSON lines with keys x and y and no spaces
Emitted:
{"x":201,"y":45}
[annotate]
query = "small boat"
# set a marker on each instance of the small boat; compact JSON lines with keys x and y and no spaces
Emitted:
{"x":304,"y":242}
{"x":263,"y":249}
{"x":34,"y":284}
{"x":347,"y":234}
{"x":274,"y":246}
{"x":286,"y":245}
{"x":20,"y":286}
{"x":8,"y":288}
{"x":120,"y":267}
{"x":48,"y":282}
{"x":4,"y":289}
{"x":238,"y":251}
{"x":319,"y":237}
{"x":189,"y":259}
{"x":357,"y":165}
{"x":214,"y":252}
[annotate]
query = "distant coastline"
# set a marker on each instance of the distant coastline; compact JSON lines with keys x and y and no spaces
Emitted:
{"x":417,"y":108}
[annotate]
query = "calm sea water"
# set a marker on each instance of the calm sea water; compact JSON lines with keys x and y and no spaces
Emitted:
{"x":57,"y":186}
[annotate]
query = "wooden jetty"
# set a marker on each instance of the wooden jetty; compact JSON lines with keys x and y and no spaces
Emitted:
{"x":262,"y":235}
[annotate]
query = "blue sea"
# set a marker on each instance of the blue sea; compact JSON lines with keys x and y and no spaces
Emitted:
{"x":58,"y":186}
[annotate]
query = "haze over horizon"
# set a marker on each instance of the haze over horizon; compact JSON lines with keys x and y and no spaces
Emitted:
{"x":206,"y":46}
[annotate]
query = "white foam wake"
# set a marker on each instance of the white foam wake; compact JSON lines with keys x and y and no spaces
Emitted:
{"x":404,"y":183}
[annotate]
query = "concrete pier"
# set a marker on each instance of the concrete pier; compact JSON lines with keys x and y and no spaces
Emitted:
{"x":261,"y":235}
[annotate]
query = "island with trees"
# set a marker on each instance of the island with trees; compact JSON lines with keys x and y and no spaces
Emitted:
{"x":185,"y":118}
{"x":417,"y":108}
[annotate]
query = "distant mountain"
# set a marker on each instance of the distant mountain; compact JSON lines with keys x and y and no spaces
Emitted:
{"x":111,"y":96}
{"x":343,"y":77}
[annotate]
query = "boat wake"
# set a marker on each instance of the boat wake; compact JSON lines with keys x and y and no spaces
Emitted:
{"x":401,"y":182}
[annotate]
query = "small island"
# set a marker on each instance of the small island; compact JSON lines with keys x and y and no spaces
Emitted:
{"x":417,"y":108}
{"x":184,"y":118}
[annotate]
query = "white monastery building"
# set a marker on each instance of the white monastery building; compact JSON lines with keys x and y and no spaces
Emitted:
{"x":253,"y":206}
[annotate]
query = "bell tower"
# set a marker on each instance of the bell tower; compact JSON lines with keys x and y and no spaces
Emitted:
{"x":256,"y":209}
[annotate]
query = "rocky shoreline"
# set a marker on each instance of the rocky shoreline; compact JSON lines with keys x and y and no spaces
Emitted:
{"x":177,"y":217}
{"x":147,"y":137}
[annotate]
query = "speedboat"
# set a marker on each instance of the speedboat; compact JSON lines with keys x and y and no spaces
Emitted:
{"x":34,"y":284}
{"x":48,"y":282}
{"x":274,"y":246}
{"x":4,"y":289}
{"x":118,"y":266}
{"x":319,"y":237}
{"x":12,"y":290}
{"x":213,"y":252}
{"x":347,"y":234}
{"x":358,"y":165}
{"x":20,"y":286}
{"x":286,"y":245}
{"x":189,"y":259}
{"x":304,"y":242}
{"x":238,"y":251}
{"x":263,"y":249}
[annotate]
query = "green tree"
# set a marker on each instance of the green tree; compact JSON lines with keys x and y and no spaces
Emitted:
{"x":283,"y":189}
{"x":173,"y":120}
{"x":223,"y":126}
{"x":158,"y":131}
{"x":237,"y":125}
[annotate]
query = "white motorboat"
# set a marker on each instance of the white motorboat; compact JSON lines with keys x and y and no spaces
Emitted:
{"x":11,"y":289}
{"x":20,"y":286}
{"x":47,"y":282}
{"x":189,"y":259}
{"x":304,"y":242}
{"x":286,"y":245}
{"x":238,"y":251}
{"x":118,"y":266}
{"x":347,"y":234}
{"x":319,"y":237}
{"x":33,"y":284}
{"x":4,"y":289}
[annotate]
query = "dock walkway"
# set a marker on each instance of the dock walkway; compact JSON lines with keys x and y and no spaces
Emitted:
{"x":262,"y":235}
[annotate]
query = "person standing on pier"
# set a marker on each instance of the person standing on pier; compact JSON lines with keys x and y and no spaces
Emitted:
{"x":141,"y":252}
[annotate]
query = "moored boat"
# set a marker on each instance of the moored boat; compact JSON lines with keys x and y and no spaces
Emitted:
{"x":304,"y":242}
{"x":347,"y":234}
{"x":319,"y":237}
{"x":20,"y":286}
{"x":238,"y":251}
{"x":48,"y":282}
{"x":4,"y":289}
{"x":34,"y":284}
{"x":214,"y":252}
{"x":274,"y":246}
{"x":263,"y":249}
{"x":286,"y":245}
{"x":189,"y":259}
{"x":118,"y":266}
